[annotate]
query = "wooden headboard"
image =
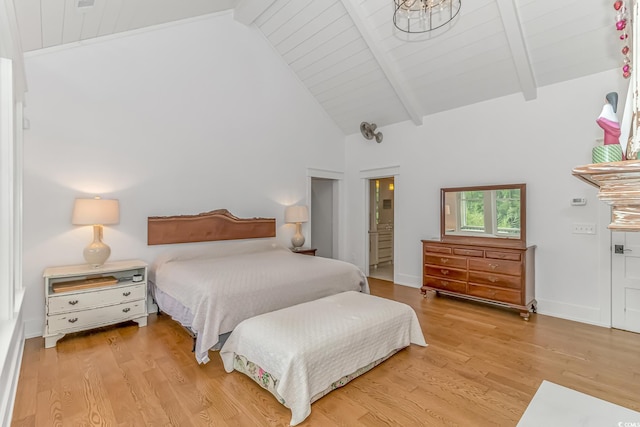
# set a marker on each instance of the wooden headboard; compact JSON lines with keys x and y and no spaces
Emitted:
{"x":206,"y":227}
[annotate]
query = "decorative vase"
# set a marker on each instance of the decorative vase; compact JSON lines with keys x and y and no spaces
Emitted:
{"x":606,"y":153}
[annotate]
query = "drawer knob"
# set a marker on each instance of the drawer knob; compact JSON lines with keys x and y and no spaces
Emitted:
{"x":444,"y":260}
{"x":493,"y":266}
{"x":444,"y":283}
{"x":73,"y":302}
{"x":74,"y":320}
{"x":126,"y":310}
{"x":493,"y":279}
{"x":126,"y":294}
{"x":445,"y":272}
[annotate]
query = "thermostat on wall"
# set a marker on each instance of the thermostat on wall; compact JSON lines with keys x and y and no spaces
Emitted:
{"x":578,"y":201}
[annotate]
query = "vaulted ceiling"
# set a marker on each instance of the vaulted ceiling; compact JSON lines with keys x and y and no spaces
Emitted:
{"x":358,"y":66}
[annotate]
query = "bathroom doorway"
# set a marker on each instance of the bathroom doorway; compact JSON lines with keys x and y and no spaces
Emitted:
{"x":381,"y":227}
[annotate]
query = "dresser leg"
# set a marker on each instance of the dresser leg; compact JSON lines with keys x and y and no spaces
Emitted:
{"x":52,"y":340}
{"x":525,"y":315}
{"x":142,"y":321}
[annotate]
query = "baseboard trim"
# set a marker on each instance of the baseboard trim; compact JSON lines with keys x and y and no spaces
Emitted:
{"x":10,"y":370}
{"x":408,"y":280}
{"x":33,"y":328}
{"x":577,"y":313}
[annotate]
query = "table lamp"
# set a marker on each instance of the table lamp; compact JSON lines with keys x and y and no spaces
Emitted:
{"x":96,"y":212}
{"x":296,"y":215}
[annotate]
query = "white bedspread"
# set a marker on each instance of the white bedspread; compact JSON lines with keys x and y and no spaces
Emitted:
{"x":222,"y":290}
{"x":308,"y":346}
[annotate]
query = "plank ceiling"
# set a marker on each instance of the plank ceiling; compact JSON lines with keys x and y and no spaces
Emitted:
{"x":359,"y":67}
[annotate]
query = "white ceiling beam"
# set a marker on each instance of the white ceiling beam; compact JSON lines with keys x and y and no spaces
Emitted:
{"x":513,"y":31}
{"x":247,"y":11}
{"x":389,"y":70}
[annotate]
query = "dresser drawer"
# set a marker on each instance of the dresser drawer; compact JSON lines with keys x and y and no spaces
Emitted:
{"x":445,"y":261}
{"x":496,"y":266}
{"x":385,"y":253}
{"x":468,"y":252}
{"x":504,"y":295}
{"x":445,"y":273}
{"x":95,"y":317}
{"x":445,"y":285}
{"x":81,"y":300}
{"x":492,"y":279}
{"x":385,"y":238}
{"x":513,"y":256}
{"x":438,"y":249}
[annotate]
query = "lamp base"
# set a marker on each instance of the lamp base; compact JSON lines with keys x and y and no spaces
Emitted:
{"x":298,"y":239}
{"x":97,"y":252}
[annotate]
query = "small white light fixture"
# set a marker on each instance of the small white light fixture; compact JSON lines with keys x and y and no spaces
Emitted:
{"x":296,"y":215}
{"x":96,"y":212}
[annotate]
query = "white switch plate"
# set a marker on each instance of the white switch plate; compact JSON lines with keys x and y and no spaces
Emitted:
{"x":584,"y":228}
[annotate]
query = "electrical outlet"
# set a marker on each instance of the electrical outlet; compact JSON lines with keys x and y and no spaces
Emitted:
{"x":584,"y":228}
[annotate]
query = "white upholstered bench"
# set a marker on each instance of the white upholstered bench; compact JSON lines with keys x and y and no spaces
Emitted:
{"x":303,"y":352}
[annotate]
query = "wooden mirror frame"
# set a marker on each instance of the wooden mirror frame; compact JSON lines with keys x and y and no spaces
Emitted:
{"x":520,"y":242}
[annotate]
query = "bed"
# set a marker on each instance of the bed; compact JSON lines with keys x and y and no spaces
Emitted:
{"x":211,"y":288}
{"x":301,"y":353}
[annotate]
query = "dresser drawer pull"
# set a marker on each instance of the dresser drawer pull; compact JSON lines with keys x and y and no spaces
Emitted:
{"x":445,"y":272}
{"x":126,"y":310}
{"x":74,"y":320}
{"x":73,"y":302}
{"x":493,"y":266}
{"x":493,"y":279}
{"x":444,"y":283}
{"x":126,"y":294}
{"x":492,"y":293}
{"x":444,"y":260}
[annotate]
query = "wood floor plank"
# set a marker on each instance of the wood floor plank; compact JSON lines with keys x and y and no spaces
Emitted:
{"x":482,"y":367}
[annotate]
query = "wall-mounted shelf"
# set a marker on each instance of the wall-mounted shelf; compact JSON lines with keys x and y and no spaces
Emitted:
{"x":619,"y":186}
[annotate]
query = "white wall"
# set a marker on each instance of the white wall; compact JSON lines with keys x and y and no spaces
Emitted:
{"x":505,"y":140}
{"x":180,"y":120}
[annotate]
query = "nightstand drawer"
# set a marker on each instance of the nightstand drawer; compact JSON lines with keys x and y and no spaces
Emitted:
{"x":74,"y":301}
{"x":95,"y":317}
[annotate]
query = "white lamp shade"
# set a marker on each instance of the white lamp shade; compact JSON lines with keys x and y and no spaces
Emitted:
{"x":95,"y":211}
{"x":295,"y":214}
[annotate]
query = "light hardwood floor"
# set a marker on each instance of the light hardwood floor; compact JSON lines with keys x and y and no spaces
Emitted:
{"x":482,"y":367}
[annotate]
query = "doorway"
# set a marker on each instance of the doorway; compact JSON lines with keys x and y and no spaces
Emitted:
{"x":381,"y":228}
{"x":324,"y":214}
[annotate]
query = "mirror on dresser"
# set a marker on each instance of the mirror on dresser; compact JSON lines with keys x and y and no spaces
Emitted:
{"x":484,"y":212}
{"x":482,"y":253}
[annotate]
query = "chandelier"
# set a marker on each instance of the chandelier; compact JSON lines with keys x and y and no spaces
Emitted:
{"x":421,"y":16}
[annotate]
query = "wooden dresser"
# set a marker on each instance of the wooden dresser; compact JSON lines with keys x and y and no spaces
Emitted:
{"x":489,"y":273}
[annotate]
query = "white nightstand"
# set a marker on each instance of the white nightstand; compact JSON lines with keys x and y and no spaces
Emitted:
{"x":80,"y":297}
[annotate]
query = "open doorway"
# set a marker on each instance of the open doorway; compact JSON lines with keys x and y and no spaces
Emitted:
{"x":381,"y":227}
{"x":324,"y":216}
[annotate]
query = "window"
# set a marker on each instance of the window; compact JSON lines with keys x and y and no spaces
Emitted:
{"x":472,"y":216}
{"x":501,"y":217}
{"x":6,"y":189}
{"x":11,"y":289}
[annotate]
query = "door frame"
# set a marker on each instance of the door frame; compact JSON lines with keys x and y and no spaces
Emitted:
{"x":605,"y":252}
{"x":366,"y":176}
